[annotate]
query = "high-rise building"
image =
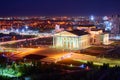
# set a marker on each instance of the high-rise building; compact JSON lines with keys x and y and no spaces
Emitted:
{"x":115,"y":24}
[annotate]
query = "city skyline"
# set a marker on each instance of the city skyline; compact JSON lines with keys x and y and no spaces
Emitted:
{"x":59,"y":8}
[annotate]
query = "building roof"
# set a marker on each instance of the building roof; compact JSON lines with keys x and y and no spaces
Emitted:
{"x":85,"y":25}
{"x":94,"y":29}
{"x":78,"y":32}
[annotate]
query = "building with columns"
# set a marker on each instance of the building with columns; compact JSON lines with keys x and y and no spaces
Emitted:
{"x":80,"y":39}
{"x":72,"y":40}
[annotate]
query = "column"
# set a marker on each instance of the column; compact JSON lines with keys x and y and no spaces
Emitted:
{"x":78,"y":42}
{"x":66,"y":43}
{"x":53,"y":42}
{"x":60,"y":41}
{"x":70,"y":42}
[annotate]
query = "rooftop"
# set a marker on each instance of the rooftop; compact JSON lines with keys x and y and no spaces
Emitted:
{"x":95,"y":29}
{"x":78,"y":32}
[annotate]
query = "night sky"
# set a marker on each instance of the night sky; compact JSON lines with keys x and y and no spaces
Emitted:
{"x":59,"y":7}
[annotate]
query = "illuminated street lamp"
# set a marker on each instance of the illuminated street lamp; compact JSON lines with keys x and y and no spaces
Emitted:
{"x":26,"y":27}
{"x":17,"y":30}
{"x":92,"y":18}
{"x":23,"y":30}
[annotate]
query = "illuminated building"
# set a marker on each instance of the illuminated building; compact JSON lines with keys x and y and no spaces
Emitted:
{"x":98,"y":37}
{"x":105,"y":39}
{"x":57,"y":28}
{"x":80,"y":39}
{"x":73,"y":40}
{"x":107,"y":23}
{"x":115,"y":24}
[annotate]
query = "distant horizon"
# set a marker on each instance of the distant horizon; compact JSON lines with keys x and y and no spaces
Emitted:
{"x":59,"y":15}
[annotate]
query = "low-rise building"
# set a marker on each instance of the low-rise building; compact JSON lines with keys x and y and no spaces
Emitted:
{"x":76,"y":39}
{"x":80,"y":39}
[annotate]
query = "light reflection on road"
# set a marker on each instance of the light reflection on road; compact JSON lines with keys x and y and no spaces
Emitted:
{"x":55,"y":54}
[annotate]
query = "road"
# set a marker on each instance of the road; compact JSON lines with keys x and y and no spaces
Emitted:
{"x":54,"y":54}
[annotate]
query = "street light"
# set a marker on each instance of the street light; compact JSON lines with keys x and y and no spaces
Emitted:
{"x":92,"y":18}
{"x":26,"y":27}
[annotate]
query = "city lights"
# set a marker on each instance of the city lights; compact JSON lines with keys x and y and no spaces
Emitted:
{"x":17,"y":30}
{"x":108,"y":25}
{"x":23,"y":30}
{"x":92,"y":18}
{"x":26,"y":27}
{"x":60,"y":40}
{"x":105,"y":18}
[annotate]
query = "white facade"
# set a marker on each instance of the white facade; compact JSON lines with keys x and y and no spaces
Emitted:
{"x":98,"y":37}
{"x":105,"y":39}
{"x":67,"y":40}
